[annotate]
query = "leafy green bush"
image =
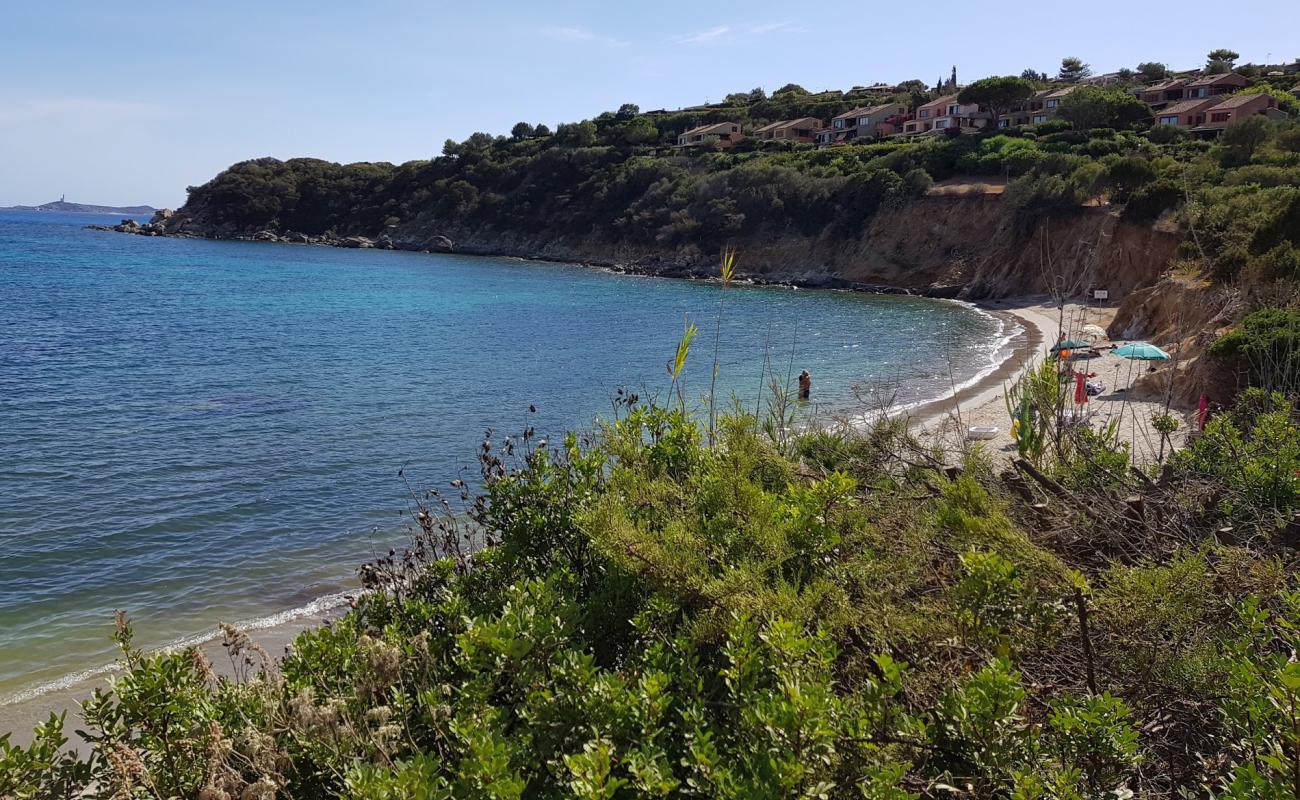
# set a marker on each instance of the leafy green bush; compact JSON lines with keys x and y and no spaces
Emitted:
{"x":1095,"y":735}
{"x":1253,"y":453}
{"x":1153,"y":199}
{"x":1266,"y":347}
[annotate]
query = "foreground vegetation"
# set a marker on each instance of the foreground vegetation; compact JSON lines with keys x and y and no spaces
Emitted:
{"x":638,"y":613}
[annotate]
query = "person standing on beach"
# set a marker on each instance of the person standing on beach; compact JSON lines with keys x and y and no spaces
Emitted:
{"x":805,"y":385}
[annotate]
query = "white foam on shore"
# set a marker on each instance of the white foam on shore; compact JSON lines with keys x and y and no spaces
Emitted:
{"x":998,"y":354}
{"x":320,"y":605}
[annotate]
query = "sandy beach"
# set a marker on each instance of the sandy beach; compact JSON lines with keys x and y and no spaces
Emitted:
{"x":19,"y":718}
{"x":1042,"y":323}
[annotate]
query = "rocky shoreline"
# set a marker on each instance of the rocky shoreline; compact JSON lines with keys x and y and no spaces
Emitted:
{"x":163,"y":224}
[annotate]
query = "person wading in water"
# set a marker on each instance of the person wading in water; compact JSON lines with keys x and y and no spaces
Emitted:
{"x":805,"y":385}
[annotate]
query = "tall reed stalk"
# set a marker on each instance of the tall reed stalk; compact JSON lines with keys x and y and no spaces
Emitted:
{"x":728,"y":272}
{"x":678,"y":364}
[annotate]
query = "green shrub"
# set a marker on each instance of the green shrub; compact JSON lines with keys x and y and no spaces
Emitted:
{"x":979,"y":731}
{"x":1148,"y":202}
{"x":1166,"y":134}
{"x":1267,"y":344}
{"x":1096,"y":735}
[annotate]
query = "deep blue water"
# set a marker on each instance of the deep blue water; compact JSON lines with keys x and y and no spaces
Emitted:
{"x":203,"y":431}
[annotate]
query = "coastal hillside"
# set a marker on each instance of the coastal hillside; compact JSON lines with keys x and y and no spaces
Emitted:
{"x":1095,"y":187}
{"x":687,"y":601}
{"x":1117,"y":188}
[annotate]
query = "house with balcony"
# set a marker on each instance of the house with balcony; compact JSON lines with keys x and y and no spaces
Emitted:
{"x":1232,"y":110}
{"x":1040,"y":107}
{"x":1030,"y":112}
{"x":1295,"y":90}
{"x":800,"y":130}
{"x":725,"y":134}
{"x":946,"y":113}
{"x":1187,"y":113}
{"x":1160,"y":95}
{"x":870,"y":122}
{"x":1214,"y":85}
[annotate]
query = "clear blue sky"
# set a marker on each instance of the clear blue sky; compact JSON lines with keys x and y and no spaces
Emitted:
{"x":129,"y":103}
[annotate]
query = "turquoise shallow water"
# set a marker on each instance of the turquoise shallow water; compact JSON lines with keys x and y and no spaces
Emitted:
{"x":202,"y":431}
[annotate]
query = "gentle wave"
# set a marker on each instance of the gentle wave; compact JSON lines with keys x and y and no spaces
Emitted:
{"x":320,"y":605}
{"x":999,"y":353}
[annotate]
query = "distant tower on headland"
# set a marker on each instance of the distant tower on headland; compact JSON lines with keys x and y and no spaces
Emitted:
{"x":61,"y":197}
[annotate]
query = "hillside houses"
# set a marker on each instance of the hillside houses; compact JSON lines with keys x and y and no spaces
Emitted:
{"x":801,"y":130}
{"x":1214,"y":85}
{"x":721,"y":134}
{"x":1040,"y":107}
{"x":1184,"y":113}
{"x":1210,"y":115}
{"x":1203,"y":104}
{"x":1159,"y":95}
{"x":946,"y":113}
{"x":870,"y":122}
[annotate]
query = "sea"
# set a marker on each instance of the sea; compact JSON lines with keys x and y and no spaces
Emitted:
{"x":202,"y":431}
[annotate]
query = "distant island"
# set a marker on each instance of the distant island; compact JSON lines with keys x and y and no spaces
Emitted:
{"x":84,"y":208}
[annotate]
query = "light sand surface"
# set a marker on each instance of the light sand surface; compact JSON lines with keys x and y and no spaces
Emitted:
{"x":985,"y":403}
{"x":20,"y":718}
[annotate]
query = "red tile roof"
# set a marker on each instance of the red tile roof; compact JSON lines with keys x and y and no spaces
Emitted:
{"x":1188,"y":106}
{"x":1210,"y":80}
{"x":1238,"y":100}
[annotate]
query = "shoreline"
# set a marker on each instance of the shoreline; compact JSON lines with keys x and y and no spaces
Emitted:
{"x":1027,"y":353}
{"x":644,"y":266}
{"x":983,"y":403}
{"x":20,"y":712}
{"x":23,"y":709}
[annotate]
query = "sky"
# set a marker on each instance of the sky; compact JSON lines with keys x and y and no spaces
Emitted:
{"x":127,"y":104}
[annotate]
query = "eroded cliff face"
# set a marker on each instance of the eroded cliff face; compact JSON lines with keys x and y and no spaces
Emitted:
{"x":969,"y":246}
{"x":978,"y":244}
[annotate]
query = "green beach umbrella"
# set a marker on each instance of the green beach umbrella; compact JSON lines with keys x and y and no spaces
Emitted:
{"x":1141,"y":351}
{"x":1071,"y":344}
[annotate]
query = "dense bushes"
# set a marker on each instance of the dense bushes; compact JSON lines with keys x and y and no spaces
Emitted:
{"x":828,"y":616}
{"x":1266,"y":348}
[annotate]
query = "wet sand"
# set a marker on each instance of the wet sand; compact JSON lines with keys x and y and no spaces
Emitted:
{"x":20,"y":718}
{"x":984,"y":403}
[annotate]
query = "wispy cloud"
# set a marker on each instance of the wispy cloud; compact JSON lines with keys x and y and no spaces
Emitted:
{"x":704,"y":37}
{"x":15,"y":112}
{"x":721,"y":33}
{"x":568,"y":33}
{"x":764,"y":28}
